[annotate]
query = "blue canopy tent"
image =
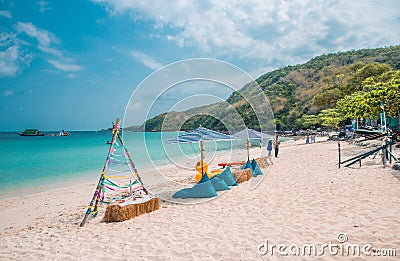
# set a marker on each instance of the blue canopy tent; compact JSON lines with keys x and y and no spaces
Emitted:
{"x":205,"y":187}
{"x":248,"y":134}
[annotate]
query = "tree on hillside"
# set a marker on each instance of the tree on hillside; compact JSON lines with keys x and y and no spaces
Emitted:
{"x":369,"y":70}
{"x":346,"y":80}
{"x":367,"y":104}
{"x":328,"y":97}
{"x":385,"y":77}
{"x":330,"y":118}
{"x":310,"y":121}
{"x":389,"y":94}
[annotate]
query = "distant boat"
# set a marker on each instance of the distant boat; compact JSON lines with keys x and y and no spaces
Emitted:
{"x":63,"y":133}
{"x":31,"y":132}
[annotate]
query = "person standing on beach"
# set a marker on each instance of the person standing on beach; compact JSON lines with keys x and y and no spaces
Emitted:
{"x":260,"y":143}
{"x":313,"y":137}
{"x":269,"y":149}
{"x":276,"y":146}
{"x":307,"y":139}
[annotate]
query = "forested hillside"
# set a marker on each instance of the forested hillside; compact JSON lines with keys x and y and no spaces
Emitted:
{"x":299,"y":94}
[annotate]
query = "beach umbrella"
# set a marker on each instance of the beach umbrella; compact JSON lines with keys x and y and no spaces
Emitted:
{"x":248,"y":134}
{"x":201,"y":135}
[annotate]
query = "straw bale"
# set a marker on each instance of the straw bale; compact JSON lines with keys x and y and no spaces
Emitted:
{"x":243,"y":176}
{"x":262,"y":162}
{"x":117,"y":213}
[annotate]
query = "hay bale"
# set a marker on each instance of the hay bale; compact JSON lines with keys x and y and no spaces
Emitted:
{"x":117,"y":213}
{"x":262,"y":162}
{"x":243,"y":176}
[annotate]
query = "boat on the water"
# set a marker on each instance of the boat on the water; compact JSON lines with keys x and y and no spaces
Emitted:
{"x":63,"y":133}
{"x":31,"y":132}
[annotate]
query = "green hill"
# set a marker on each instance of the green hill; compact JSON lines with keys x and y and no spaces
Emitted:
{"x":293,"y":91}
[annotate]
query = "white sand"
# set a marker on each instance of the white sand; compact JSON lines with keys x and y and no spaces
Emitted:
{"x":304,"y":199}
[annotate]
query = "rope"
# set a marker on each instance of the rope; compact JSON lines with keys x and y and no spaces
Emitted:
{"x":109,"y":182}
{"x":118,"y":155}
{"x":122,"y":189}
{"x":117,"y":162}
{"x":118,"y":171}
{"x":195,"y":152}
{"x":118,"y":177}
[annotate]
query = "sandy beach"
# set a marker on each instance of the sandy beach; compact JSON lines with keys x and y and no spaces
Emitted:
{"x":303,"y":199}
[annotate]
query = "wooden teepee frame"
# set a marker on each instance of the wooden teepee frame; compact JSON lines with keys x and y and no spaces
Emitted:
{"x":96,"y":199}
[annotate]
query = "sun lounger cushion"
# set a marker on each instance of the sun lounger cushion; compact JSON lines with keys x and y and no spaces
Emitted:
{"x":201,"y":190}
{"x":227,"y":176}
{"x":219,"y":184}
{"x":256,"y":169}
{"x":248,"y":166}
{"x":204,"y":178}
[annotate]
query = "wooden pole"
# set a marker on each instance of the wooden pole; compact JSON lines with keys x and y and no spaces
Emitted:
{"x":97,"y":193}
{"x":248,"y":149}
{"x":340,"y":157}
{"x":384,"y":147}
{"x":202,"y":157}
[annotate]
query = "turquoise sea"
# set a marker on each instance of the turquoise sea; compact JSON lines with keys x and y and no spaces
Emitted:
{"x":32,"y":161}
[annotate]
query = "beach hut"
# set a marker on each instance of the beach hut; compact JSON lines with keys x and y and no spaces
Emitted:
{"x":206,"y":187}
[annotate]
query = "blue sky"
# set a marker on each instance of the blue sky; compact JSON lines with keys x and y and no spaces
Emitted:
{"x":74,"y":64}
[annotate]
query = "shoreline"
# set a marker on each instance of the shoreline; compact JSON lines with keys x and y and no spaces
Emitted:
{"x":87,"y":175}
{"x":87,"y":178}
{"x":20,"y":177}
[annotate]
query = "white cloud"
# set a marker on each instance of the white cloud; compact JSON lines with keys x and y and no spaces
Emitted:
{"x":43,"y":6}
{"x":9,"y":61}
{"x":146,"y":60}
{"x":48,"y":43}
{"x":65,"y":66}
{"x":12,"y":57}
{"x":274,"y":32}
{"x":44,"y":38}
{"x":6,"y":14}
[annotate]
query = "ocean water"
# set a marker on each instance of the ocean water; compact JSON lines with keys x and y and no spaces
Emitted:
{"x":32,"y":161}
